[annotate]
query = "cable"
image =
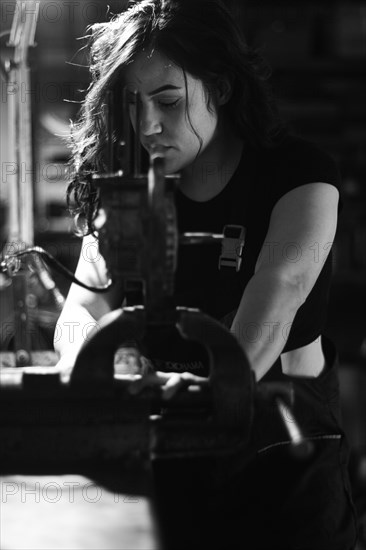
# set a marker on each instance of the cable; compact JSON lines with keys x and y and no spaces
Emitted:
{"x":52,"y":262}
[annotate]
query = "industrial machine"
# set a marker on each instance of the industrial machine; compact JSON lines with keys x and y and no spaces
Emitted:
{"x":51,"y":420}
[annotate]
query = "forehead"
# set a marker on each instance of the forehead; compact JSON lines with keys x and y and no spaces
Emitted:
{"x":151,"y":70}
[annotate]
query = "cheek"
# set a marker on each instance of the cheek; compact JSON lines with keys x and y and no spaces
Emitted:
{"x":176,"y":118}
{"x":204,"y":125}
{"x":203,"y":121}
{"x":212,"y":123}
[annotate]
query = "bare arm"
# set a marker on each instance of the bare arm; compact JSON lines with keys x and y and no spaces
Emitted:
{"x":83,"y":308}
{"x":286,"y":271}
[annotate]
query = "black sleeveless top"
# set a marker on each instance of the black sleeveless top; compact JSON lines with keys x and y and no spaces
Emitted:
{"x":262,"y":177}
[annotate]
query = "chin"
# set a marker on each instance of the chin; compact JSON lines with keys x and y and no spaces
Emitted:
{"x":172,"y":167}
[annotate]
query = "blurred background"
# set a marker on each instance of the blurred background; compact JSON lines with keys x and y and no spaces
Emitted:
{"x":317,"y":51}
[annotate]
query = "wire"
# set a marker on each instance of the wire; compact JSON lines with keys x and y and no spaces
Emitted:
{"x":52,"y":262}
{"x":4,"y":33}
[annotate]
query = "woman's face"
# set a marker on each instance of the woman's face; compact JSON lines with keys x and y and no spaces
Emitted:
{"x":165,"y":97}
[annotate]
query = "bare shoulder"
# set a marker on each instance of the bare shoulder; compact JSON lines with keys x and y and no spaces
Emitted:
{"x":302,"y":206}
{"x":303,"y":218}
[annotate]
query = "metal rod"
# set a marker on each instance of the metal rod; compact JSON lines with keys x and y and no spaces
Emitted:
{"x":200,"y":238}
{"x":301,"y":447}
{"x":126,"y":134}
{"x":137,"y":150}
{"x":110,"y":128}
{"x":289,"y":422}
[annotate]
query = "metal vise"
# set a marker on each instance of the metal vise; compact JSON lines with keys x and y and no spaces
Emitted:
{"x":139,"y":241}
{"x":50,"y":420}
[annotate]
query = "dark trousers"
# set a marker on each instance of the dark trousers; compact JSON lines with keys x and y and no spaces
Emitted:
{"x":272,"y":500}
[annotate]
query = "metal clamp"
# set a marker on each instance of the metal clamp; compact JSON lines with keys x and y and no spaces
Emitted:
{"x":232,"y":246}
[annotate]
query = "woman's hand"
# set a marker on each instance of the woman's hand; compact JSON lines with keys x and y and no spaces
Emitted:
{"x":132,"y":366}
{"x":170,"y":382}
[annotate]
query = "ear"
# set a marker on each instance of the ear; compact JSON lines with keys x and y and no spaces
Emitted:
{"x":223,"y":90}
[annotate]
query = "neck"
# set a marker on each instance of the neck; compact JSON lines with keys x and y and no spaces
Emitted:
{"x":213,"y":169}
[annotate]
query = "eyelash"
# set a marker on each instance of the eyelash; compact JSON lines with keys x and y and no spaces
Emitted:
{"x":164,"y":105}
{"x":170,"y":105}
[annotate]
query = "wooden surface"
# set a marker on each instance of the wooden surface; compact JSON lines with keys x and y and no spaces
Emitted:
{"x":71,"y":512}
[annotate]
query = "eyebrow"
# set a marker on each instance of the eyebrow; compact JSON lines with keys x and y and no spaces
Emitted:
{"x":163,"y":88}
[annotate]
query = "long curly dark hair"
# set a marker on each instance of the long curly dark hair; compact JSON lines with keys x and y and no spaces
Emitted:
{"x":199,"y":36}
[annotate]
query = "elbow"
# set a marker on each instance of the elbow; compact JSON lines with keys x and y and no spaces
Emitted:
{"x":293,"y":287}
{"x":298,"y":289}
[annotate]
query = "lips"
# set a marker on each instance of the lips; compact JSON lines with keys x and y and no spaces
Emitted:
{"x":156,"y":147}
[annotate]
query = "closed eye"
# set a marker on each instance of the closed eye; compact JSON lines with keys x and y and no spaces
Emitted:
{"x":168,"y":104}
{"x":165,"y":104}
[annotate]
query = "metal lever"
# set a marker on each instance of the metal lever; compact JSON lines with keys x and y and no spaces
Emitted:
{"x":301,"y":447}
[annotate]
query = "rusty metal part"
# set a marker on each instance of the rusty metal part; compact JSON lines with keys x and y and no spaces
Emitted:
{"x":139,"y":238}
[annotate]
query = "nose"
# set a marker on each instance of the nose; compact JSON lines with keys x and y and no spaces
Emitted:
{"x":151,"y":122}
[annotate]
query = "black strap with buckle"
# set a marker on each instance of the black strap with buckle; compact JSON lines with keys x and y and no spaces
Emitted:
{"x":232,"y":247}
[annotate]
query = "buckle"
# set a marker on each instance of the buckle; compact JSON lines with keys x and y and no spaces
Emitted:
{"x":232,"y":246}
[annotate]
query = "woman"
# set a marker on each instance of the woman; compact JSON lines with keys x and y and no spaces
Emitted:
{"x":205,"y":104}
